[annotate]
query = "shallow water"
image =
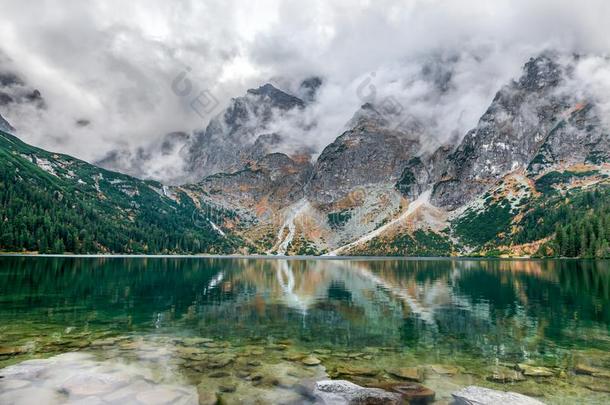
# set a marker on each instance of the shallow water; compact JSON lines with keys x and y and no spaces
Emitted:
{"x":251,"y":324}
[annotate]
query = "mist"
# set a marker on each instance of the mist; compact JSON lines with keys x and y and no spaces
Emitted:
{"x":111,"y":64}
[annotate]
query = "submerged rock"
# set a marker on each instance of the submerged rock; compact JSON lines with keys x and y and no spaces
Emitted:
{"x":484,"y":396}
{"x":415,"y":393}
{"x":584,"y":369}
{"x":294,"y":356}
{"x":311,"y":361}
{"x":590,"y":370}
{"x":359,"y":371}
{"x":535,"y":371}
{"x":227,"y":387}
{"x":444,"y":369}
{"x":219,"y":374}
{"x":408,"y":373}
{"x":221,"y":360}
{"x":505,"y":375}
{"x":599,"y":387}
{"x":206,"y":397}
{"x":11,"y":351}
{"x":345,"y":392}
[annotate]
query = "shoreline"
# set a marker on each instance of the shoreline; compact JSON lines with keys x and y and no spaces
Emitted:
{"x":305,"y":257}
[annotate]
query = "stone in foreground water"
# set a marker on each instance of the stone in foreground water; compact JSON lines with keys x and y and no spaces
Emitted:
{"x":345,"y":392}
{"x":78,"y":377}
{"x":484,"y":396}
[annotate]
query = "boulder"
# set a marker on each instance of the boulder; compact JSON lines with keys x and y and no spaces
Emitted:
{"x":484,"y":396}
{"x":11,"y":351}
{"x":345,"y":392}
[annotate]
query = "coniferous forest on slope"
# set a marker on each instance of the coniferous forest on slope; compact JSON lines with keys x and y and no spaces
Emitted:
{"x":47,"y":213}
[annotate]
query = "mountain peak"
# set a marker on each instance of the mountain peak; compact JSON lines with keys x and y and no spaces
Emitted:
{"x":278,"y":97}
{"x":541,"y":72}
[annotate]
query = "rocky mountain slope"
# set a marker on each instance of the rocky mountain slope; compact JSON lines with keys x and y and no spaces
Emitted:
{"x":532,"y":123}
{"x":242,"y":133}
{"x":378,"y":189}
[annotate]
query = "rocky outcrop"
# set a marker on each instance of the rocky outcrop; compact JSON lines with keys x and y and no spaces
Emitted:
{"x":484,"y":396}
{"x":272,"y":182}
{"x":581,"y":137}
{"x":421,"y":172}
{"x":15,"y":91}
{"x":308,"y":89}
{"x":509,"y":134}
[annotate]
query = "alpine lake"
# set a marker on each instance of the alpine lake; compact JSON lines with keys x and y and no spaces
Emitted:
{"x":163,"y":330}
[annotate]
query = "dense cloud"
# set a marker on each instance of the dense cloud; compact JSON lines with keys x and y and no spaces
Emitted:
{"x":106,"y":68}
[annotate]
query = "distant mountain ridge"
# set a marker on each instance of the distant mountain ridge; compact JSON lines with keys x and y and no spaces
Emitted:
{"x":379,"y":189}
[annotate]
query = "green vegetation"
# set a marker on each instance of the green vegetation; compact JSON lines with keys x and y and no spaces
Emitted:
{"x":477,"y":228}
{"x":339,"y":219}
{"x":584,"y":230}
{"x":598,"y":157}
{"x":304,"y":247}
{"x":407,"y":178}
{"x":576,"y":223}
{"x":53,"y":203}
{"x":420,"y":243}
{"x":545,"y":183}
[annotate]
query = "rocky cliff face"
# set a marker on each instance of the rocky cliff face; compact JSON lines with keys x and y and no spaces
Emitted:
{"x":370,"y":181}
{"x":270,"y":183}
{"x":534,"y":123}
{"x":509,"y":134}
{"x":240,"y":134}
{"x":368,"y":154}
{"x":579,"y":137}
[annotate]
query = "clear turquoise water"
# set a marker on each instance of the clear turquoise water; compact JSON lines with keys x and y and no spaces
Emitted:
{"x":469,"y":314}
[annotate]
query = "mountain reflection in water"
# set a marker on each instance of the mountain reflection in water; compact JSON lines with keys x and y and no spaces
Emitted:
{"x":486,"y":307}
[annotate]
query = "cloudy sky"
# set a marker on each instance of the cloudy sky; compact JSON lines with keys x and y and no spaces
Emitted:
{"x":112,"y":62}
